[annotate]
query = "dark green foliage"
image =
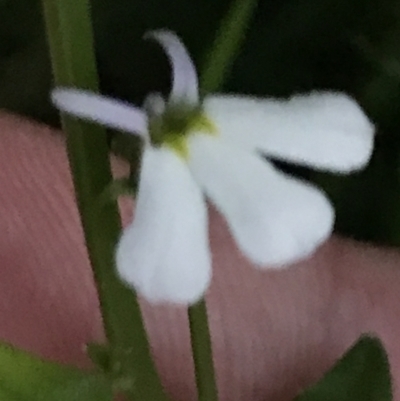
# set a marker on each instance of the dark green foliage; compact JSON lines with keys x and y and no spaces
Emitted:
{"x":363,"y":374}
{"x":25,"y":377}
{"x":25,"y":77}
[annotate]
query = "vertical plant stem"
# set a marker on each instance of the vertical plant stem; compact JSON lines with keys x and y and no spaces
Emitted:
{"x":71,"y":47}
{"x":202,"y":353}
{"x":229,"y":38}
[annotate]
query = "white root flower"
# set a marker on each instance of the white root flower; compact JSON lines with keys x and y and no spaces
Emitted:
{"x":214,"y":148}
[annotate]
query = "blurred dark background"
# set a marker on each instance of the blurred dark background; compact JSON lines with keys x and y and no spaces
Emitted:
{"x":292,"y":46}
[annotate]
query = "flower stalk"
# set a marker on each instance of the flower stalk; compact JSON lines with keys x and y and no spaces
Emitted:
{"x":73,"y":59}
{"x":226,"y":46}
{"x":219,"y":60}
{"x":202,"y":353}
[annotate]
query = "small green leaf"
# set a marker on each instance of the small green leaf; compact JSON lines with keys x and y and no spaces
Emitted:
{"x":24,"y":377}
{"x":100,"y":356}
{"x":363,"y":374}
{"x":90,"y":387}
{"x":118,"y":187}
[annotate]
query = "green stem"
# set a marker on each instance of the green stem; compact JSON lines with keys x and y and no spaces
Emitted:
{"x":73,"y":59}
{"x":229,"y":39}
{"x":202,"y":353}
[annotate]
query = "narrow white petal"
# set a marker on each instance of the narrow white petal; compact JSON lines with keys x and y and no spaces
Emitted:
{"x":164,"y":254}
{"x":328,"y":131}
{"x":274,"y":218}
{"x":103,"y":110}
{"x":185,"y":86}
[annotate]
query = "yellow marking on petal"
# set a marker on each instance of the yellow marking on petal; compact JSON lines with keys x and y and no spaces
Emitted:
{"x":178,"y":142}
{"x":179,"y":145}
{"x":203,"y":124}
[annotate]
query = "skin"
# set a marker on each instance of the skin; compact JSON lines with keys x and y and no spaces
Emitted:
{"x":273,"y":332}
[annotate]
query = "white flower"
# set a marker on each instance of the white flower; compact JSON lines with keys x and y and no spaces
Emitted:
{"x":214,"y":148}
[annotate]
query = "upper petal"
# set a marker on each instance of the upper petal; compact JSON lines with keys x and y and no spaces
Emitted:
{"x":274,"y":218}
{"x":164,"y":254}
{"x":185,"y":86}
{"x":109,"y":112}
{"x":328,"y":131}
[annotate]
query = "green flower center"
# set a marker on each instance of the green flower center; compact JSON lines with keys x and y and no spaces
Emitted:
{"x":174,"y":126}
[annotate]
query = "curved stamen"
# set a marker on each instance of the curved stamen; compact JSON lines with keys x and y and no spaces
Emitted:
{"x":107,"y":111}
{"x":185,"y":86}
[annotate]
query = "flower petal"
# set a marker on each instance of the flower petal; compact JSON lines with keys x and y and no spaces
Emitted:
{"x":274,"y":218}
{"x":328,"y":131}
{"x":103,"y":110}
{"x":185,"y":86}
{"x":164,"y":254}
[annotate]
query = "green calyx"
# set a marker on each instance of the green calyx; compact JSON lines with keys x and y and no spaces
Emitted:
{"x":174,"y":126}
